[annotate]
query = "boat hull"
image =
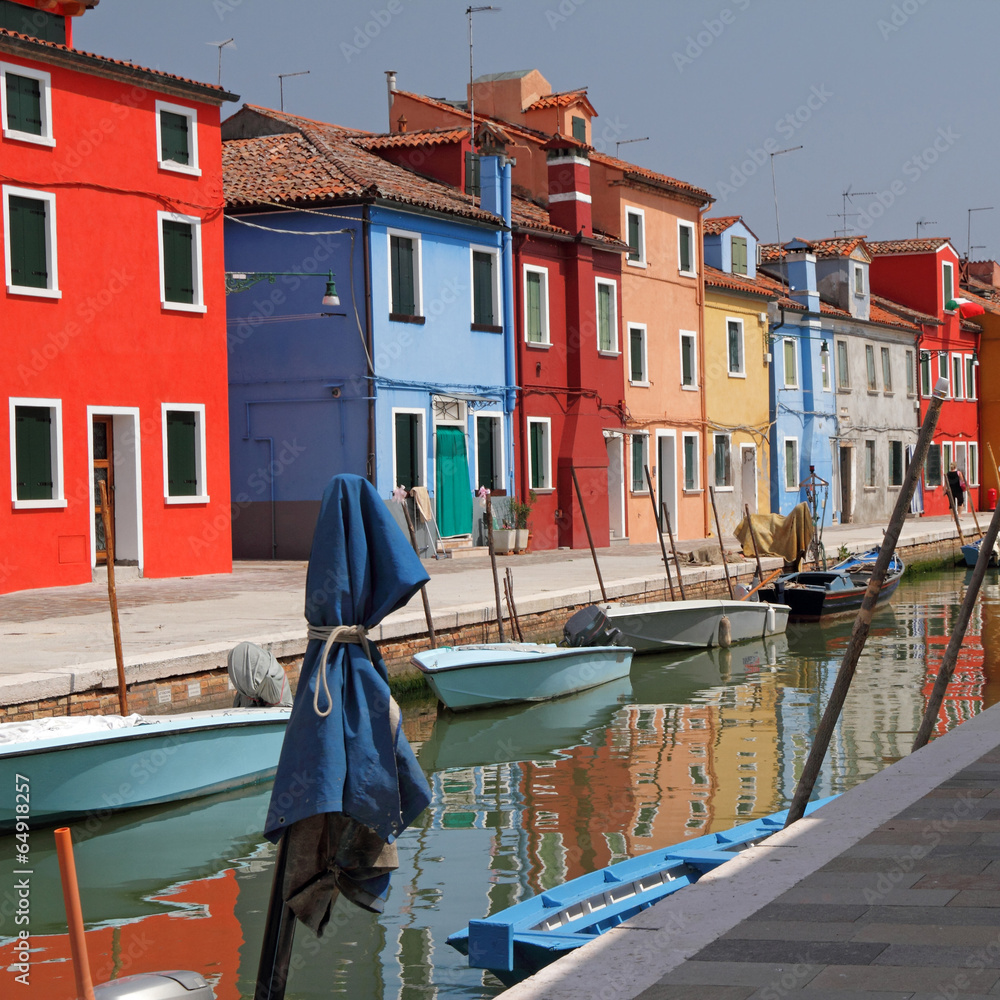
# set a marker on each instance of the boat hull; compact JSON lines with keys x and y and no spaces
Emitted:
{"x":167,"y":759}
{"x":970,"y":553}
{"x":812,"y":597}
{"x":474,"y":676}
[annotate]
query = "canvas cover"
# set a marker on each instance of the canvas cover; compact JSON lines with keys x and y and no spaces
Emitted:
{"x":258,"y":677}
{"x":787,"y":536}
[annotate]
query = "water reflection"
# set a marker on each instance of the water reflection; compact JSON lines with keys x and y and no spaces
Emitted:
{"x":524,"y":798}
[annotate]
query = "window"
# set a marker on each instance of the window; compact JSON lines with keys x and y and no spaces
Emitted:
{"x":36,"y":453}
{"x":739,"y":252}
{"x":472,"y":175}
{"x":635,"y":225}
{"x":33,"y":22}
{"x":859,"y":280}
{"x":932,"y":467}
{"x":734,"y":342}
{"x":540,"y":453}
{"x":791,"y":464}
{"x":948,"y":282}
{"x":824,"y":365}
{"x":607,"y":316}
{"x":408,"y":448}
{"x":29,"y":222}
{"x":947,"y":455}
{"x":485,"y":293}
{"x":886,"y":371}
{"x":970,"y":376}
{"x":27,"y":104}
{"x":910,"y":375}
{"x":637,"y":354}
{"x":640,"y":459}
{"x":870,"y":464}
{"x":895,"y":463}
{"x":972,"y":476}
{"x":689,"y":370}
{"x":536,"y":305}
{"x":962,"y":458}
{"x":690,"y":462}
{"x":579,"y":128}
{"x":685,"y":247}
{"x":956,"y":371}
{"x":404,"y":276}
{"x":943,"y":371}
{"x":925,"y":373}
{"x":184,"y":453}
{"x":791,"y":373}
{"x":870,"y":367}
{"x":489,"y":451}
{"x":843,"y":372}
{"x":177,"y":138}
{"x":723,"y":462}
{"x":180,"y":262}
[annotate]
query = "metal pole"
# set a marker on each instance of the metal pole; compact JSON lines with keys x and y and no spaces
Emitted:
{"x":959,"y":627}
{"x":659,"y":532}
{"x":590,"y":538}
{"x":493,"y":563}
{"x":109,"y":548}
{"x":863,"y":621}
{"x":753,"y":538}
{"x":423,"y":589}
{"x":279,"y":930}
{"x":673,"y":548}
{"x":722,"y":548}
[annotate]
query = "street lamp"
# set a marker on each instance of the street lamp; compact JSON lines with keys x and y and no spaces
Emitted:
{"x":240,"y":281}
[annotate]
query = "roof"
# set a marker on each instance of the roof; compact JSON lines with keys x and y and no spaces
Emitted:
{"x":738,"y":283}
{"x":929,"y":244}
{"x":905,"y":312}
{"x":426,"y":137}
{"x":719,"y":224}
{"x":527,"y":215}
{"x":564,"y":100}
{"x":830,"y":247}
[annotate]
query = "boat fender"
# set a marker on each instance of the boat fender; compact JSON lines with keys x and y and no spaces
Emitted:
{"x":771,"y":620}
{"x":725,"y":633}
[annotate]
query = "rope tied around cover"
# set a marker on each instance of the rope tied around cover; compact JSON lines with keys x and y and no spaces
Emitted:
{"x":328,"y":635}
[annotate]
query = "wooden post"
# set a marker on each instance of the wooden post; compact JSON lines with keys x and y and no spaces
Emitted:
{"x":109,"y":548}
{"x":863,"y":621}
{"x":493,"y":563}
{"x":513,"y":604}
{"x":659,"y":532}
{"x":975,"y":516}
{"x":673,"y":548}
{"x":74,"y":912}
{"x":753,"y":538}
{"x":993,"y":466}
{"x":279,"y":932}
{"x":590,"y":538}
{"x":958,"y":628}
{"x":423,"y":589}
{"x":722,"y":548}
{"x":954,"y":509}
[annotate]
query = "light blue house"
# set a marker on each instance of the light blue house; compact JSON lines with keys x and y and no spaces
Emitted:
{"x":408,"y":378}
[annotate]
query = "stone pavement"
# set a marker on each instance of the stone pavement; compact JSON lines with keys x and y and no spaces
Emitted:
{"x":59,"y":640}
{"x":891,"y":892}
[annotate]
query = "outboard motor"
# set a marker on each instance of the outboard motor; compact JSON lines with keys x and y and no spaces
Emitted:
{"x":258,"y":678}
{"x":174,"y":985}
{"x":590,"y":627}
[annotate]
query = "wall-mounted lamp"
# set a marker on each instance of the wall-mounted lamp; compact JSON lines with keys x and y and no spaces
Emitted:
{"x":240,"y":281}
{"x":824,"y":348}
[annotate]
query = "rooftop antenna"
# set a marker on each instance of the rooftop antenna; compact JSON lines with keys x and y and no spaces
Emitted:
{"x":848,"y":196}
{"x":777,"y":224}
{"x":469,"y":11}
{"x":968,"y":253}
{"x":622,"y":142}
{"x":924,"y":222}
{"x":220,"y":46}
{"x":281,"y":84}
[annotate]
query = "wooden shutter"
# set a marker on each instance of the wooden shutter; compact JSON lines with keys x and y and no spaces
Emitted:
{"x":739,"y":255}
{"x":182,"y":467}
{"x":178,"y":261}
{"x":472,"y":181}
{"x":175,"y":140}
{"x":579,"y":129}
{"x":735,"y":359}
{"x":537,"y":443}
{"x":533,"y":307}
{"x":690,"y":480}
{"x":482,"y":288}
{"x":604,"y":319}
{"x":407,"y":463}
{"x":24,"y":104}
{"x":635,"y":236}
{"x":685,"y":249}
{"x":401,"y":253}
{"x":636,"y":365}
{"x":948,"y":289}
{"x":28,"y":257}
{"x":33,"y":445}
{"x":687,"y":361}
{"x":485,"y":457}
{"x":32,"y":22}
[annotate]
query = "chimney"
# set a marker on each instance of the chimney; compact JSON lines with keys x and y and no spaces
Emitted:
{"x":569,"y":185}
{"x":800,"y":269}
{"x":401,"y":123}
{"x":390,"y":83}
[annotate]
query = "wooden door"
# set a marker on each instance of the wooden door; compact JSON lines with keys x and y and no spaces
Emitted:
{"x":104,"y":470}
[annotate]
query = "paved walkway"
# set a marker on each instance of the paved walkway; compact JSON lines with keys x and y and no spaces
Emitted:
{"x":891,"y":892}
{"x":59,"y":640}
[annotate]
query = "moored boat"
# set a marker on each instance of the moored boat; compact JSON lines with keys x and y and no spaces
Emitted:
{"x":815,"y":595}
{"x":970,"y":553}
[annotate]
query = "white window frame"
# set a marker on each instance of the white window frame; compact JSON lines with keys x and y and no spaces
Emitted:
{"x":546,"y":457}
{"x":902,"y":464}
{"x":644,"y":436}
{"x":715,"y":439}
{"x":794,"y":383}
{"x":972,"y":475}
{"x":950,"y":268}
{"x":970,"y":376}
{"x":693,"y":273}
{"x":193,"y":168}
{"x":200,"y":453}
{"x":924,"y":381}
{"x":198,"y":306}
{"x":961,"y":458}
{"x":843,"y":373}
{"x":911,"y":374}
{"x":645,"y":354}
{"x":870,"y":450}
{"x":885,"y":361}
{"x":859,"y":279}
{"x":794,"y":442}
{"x":613,"y":351}
{"x":527,"y":269}
{"x":871,"y":368}
{"x":693,"y":337}
{"x":421,"y":436}
{"x":58,"y":499}
{"x":740,"y":372}
{"x":947,"y":457}
{"x":958,"y":383}
{"x":697,"y":463}
{"x":641,"y":262}
{"x":418,"y":267}
{"x":944,"y":373}
{"x":500,"y":450}
{"x":51,"y":291}
{"x":494,"y":283}
{"x":47,"y":138}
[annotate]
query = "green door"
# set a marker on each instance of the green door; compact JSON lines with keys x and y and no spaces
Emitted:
{"x":454,"y":495}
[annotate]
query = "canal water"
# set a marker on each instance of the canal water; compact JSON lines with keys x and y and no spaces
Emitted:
{"x":524,"y":798}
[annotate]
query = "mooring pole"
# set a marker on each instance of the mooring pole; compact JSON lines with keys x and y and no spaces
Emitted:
{"x":590,"y":537}
{"x":673,"y":548}
{"x":109,"y":550}
{"x":862,"y":623}
{"x":659,"y":532}
{"x":753,"y":538}
{"x":493,"y":563}
{"x":423,"y":589}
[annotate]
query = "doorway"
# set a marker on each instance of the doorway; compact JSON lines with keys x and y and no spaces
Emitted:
{"x":102,"y":429}
{"x":616,"y":484}
{"x":846,"y":483}
{"x":451,"y":474}
{"x":116,"y":458}
{"x":748,"y":478}
{"x":666,"y":477}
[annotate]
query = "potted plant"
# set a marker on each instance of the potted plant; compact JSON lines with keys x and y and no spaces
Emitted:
{"x":520,"y":511}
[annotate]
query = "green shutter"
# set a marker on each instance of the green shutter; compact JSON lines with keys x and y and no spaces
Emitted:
{"x":948,"y":290}
{"x":472,"y":182}
{"x":722,"y":460}
{"x":533,"y":307}
{"x":33,"y":446}
{"x":686,"y":263}
{"x":32,"y":22}
{"x":687,"y":361}
{"x":690,"y":478}
{"x":579,"y":129}
{"x":482,"y":288}
{"x":485,"y":457}
{"x":636,"y":361}
{"x":178,"y":261}
{"x":791,"y":466}
{"x":401,"y":253}
{"x":604,"y":318}
{"x":634,"y":236}
{"x":175,"y":141}
{"x":739,"y":255}
{"x":638,"y":461}
{"x":182,"y":467}
{"x":407,"y":461}
{"x":735,"y":358}
{"x":28,"y":258}
{"x":24,"y":104}
{"x":536,"y":445}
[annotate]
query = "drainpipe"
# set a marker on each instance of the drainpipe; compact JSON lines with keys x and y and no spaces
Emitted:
{"x":510,"y":334}
{"x":700,"y":246}
{"x":390,"y":83}
{"x":369,"y":336}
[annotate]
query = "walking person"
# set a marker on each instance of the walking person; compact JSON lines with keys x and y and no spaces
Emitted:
{"x":957,"y":485}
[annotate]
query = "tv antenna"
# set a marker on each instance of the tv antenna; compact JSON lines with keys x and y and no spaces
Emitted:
{"x":281,"y":85}
{"x":968,"y":253}
{"x":220,"y":46}
{"x":622,"y":142}
{"x":847,"y":196}
{"x":924,"y":222}
{"x":469,"y":11}
{"x":777,"y":224}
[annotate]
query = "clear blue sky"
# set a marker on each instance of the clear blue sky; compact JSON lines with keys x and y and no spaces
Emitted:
{"x":895,"y":97}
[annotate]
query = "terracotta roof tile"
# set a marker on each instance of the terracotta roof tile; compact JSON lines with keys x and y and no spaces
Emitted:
{"x":905,"y":312}
{"x":526,"y":214}
{"x":925,"y":245}
{"x":836,"y":246}
{"x":426,"y":137}
{"x":563,"y":100}
{"x":738,"y":283}
{"x":719,"y":224}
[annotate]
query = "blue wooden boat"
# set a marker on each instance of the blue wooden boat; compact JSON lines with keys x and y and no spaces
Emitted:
{"x":524,"y":938}
{"x":65,"y":774}
{"x":498,"y":673}
{"x":970,"y":553}
{"x":866,"y":560}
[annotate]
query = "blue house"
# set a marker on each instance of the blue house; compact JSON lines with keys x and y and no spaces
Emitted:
{"x":404,"y":371}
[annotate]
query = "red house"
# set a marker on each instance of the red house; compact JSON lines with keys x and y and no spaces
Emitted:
{"x":115,"y":359}
{"x":923,"y":274}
